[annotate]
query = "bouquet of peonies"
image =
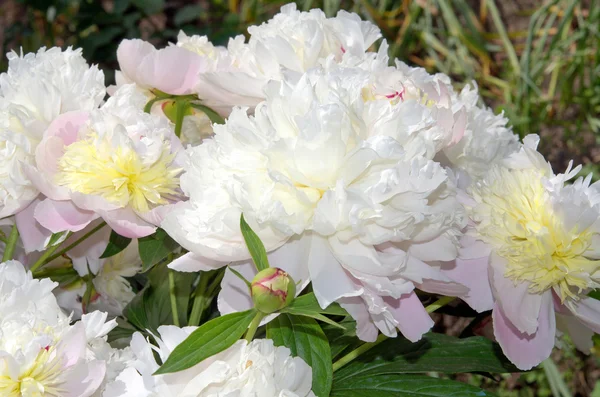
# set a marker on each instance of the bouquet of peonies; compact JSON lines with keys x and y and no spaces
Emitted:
{"x":276,"y":218}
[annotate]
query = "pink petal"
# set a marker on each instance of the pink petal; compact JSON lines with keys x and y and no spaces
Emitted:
{"x":471,"y":248}
{"x":60,"y":216}
{"x":431,"y":279}
{"x":579,"y":333}
{"x":126,"y":223}
{"x":517,"y":303}
{"x":130,"y":54}
{"x":173,"y":70}
{"x":413,"y":320}
{"x":472,"y":273}
{"x":526,"y":351}
{"x":67,"y":126}
{"x":92,"y":202}
{"x":33,"y":235}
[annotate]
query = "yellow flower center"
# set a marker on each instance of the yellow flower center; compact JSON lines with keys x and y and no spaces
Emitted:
{"x":40,"y":380}
{"x":119,"y":175}
{"x":516,"y":217}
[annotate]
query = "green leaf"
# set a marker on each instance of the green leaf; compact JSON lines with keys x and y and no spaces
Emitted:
{"x":151,"y":307}
{"x":116,"y":244}
{"x":255,"y":246}
{"x":155,"y":248}
{"x":187,"y":14}
{"x":209,"y":339}
{"x":342,"y":340}
{"x":394,"y":385}
{"x":211,"y":114}
{"x":308,"y":306}
{"x":433,"y":353}
{"x":308,"y":303}
{"x":305,"y":339}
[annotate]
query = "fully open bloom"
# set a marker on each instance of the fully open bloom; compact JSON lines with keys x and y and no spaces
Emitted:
{"x":116,"y":162}
{"x":35,"y":90}
{"x":40,"y":353}
{"x":538,"y":241}
{"x":245,"y":369}
{"x":290,"y":42}
{"x":336,"y":178}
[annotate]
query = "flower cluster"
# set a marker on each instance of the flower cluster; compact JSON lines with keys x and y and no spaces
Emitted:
{"x":374,"y":182}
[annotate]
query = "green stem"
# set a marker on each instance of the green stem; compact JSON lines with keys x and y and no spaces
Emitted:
{"x":11,"y":244}
{"x":173,"y":298}
{"x":181,"y":107}
{"x":76,"y":242}
{"x":368,"y":346}
{"x":199,"y":300}
{"x":254,"y":326}
{"x":43,"y":259}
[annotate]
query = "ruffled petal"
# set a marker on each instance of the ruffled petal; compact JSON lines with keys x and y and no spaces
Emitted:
{"x":526,"y":350}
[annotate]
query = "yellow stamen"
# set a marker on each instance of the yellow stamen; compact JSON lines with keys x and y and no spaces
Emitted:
{"x":120,"y":175}
{"x":516,"y":217}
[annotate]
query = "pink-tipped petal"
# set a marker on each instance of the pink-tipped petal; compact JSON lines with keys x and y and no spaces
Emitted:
{"x":130,"y":54}
{"x":431,"y":279}
{"x":173,"y":70}
{"x":126,"y":223}
{"x":519,"y":305}
{"x":60,"y":216}
{"x":472,"y":273}
{"x":33,"y":235}
{"x":67,"y":126}
{"x":413,"y":320}
{"x":526,"y":351}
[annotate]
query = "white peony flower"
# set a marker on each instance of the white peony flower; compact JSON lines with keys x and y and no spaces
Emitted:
{"x":117,"y":162}
{"x":291,"y":42}
{"x":328,"y":173}
{"x":35,"y":90}
{"x":532,"y":254}
{"x":245,"y":370}
{"x":40,"y":353}
{"x":487,"y":141}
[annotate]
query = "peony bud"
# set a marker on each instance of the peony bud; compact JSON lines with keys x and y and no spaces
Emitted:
{"x":272,"y":289}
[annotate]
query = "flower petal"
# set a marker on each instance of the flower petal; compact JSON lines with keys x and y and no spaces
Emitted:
{"x":33,"y":235}
{"x":472,"y":273}
{"x":518,"y":305}
{"x":526,"y":351}
{"x":60,"y":216}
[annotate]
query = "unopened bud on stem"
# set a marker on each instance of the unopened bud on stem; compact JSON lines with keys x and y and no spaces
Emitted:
{"x":272,"y":289}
